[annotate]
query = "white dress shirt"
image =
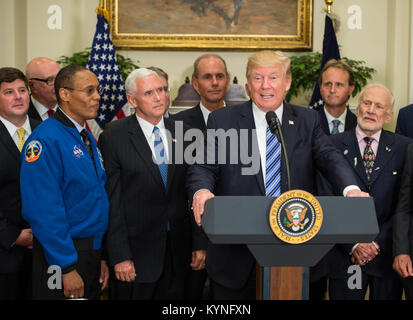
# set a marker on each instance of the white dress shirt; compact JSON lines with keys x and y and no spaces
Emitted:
{"x":41,"y":109}
{"x":341,"y":118}
{"x":205,"y":111}
{"x":147,"y":129}
{"x":12,"y":129}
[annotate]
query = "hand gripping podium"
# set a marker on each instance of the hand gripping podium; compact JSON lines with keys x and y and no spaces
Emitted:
{"x":244,"y":220}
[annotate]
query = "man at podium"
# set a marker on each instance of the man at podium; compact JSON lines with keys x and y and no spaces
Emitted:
{"x":232,"y":267}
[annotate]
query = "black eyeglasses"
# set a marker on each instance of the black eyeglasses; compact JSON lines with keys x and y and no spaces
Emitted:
{"x":49,"y":81}
{"x":89,"y":90}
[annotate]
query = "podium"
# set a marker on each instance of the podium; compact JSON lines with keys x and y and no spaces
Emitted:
{"x":244,"y":220}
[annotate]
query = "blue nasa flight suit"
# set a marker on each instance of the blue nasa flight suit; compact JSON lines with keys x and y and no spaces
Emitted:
{"x":63,"y":195}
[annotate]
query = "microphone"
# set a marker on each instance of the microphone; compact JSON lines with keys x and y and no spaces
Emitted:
{"x":275,"y":128}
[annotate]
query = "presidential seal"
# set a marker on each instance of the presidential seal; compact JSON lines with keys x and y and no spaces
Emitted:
{"x":296,"y":216}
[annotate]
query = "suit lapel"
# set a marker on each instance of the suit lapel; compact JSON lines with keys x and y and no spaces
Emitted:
{"x":198,"y":118}
{"x":8,"y":142}
{"x":353,"y":155}
{"x":289,"y":129}
{"x":384,"y":154}
{"x":246,"y":121}
{"x":141,"y":146}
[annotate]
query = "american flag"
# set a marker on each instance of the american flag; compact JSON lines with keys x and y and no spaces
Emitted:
{"x":102,"y":61}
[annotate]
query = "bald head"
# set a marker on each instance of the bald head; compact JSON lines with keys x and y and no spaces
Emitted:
{"x":41,"y":73}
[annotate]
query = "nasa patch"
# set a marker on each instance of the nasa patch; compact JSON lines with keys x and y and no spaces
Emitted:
{"x":33,"y":151}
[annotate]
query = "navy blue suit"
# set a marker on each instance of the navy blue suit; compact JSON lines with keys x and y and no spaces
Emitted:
{"x":307,"y":148}
{"x":384,"y":188}
{"x":404,"y":121}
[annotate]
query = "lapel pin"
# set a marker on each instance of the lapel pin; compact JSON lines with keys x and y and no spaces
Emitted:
{"x":388,"y":149}
{"x":345,"y":152}
{"x":394,"y":173}
{"x":291,"y":122}
{"x":355,"y":162}
{"x":378,"y":168}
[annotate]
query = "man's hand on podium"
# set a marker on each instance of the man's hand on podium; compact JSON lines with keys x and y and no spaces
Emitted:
{"x":357,"y":193}
{"x":198,"y":203}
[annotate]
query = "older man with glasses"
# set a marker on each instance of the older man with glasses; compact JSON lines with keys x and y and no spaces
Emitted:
{"x":41,"y":73}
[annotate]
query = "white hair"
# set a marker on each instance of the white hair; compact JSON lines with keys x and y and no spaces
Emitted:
{"x":130,"y":83}
{"x":377,"y":85}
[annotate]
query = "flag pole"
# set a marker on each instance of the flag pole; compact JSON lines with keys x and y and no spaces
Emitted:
{"x":329,"y":3}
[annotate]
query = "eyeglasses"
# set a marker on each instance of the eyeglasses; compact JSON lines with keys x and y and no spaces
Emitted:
{"x":49,"y":81}
{"x":89,"y":90}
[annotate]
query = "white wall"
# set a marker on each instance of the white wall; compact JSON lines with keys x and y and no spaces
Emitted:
{"x":383,"y":42}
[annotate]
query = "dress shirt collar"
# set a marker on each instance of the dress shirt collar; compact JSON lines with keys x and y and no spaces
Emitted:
{"x":205,"y":111}
{"x":341,"y":118}
{"x":78,"y":126}
{"x":41,"y":109}
{"x":362,"y":144}
{"x":11,"y":128}
{"x":147,"y":127}
{"x":259,"y":115}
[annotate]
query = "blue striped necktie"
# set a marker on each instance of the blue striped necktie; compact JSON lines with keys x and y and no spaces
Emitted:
{"x":160,"y":155}
{"x":272,"y":165}
{"x":336,"y":123}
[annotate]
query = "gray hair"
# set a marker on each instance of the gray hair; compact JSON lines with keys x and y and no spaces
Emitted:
{"x":377,"y":85}
{"x":130,"y":83}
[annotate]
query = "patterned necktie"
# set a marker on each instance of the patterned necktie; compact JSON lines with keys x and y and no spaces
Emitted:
{"x":272,"y":165}
{"x":160,"y":155}
{"x":50,"y":112}
{"x":368,"y":157}
{"x":21,"y":139}
{"x":88,"y":144}
{"x":336,"y":123}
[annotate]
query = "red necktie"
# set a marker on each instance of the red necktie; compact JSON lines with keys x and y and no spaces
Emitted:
{"x":50,"y":112}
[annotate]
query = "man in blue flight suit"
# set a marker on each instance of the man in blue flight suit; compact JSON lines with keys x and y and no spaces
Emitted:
{"x":63,"y":193}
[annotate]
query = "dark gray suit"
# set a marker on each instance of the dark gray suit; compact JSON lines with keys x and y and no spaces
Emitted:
{"x":141,"y":208}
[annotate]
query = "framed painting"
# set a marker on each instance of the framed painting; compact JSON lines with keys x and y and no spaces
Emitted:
{"x":237,"y":25}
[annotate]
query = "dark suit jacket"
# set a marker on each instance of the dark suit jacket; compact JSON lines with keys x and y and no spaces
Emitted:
{"x":307,"y":148}
{"x":32,"y":112}
{"x":403,"y":222}
{"x":11,"y":221}
{"x":404,"y":121}
{"x":140,"y":207}
{"x":192,"y":117}
{"x":350,"y":122}
{"x":384,"y":188}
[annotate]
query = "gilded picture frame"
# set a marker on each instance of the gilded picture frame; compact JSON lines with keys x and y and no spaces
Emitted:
{"x":232,"y":25}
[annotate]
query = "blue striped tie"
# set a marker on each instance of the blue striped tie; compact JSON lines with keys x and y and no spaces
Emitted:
{"x":160,"y":155}
{"x":272,"y":166}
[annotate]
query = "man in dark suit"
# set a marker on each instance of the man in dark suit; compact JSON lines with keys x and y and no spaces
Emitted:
{"x":377,"y":158}
{"x":231,"y":267}
{"x":210,"y":79}
{"x":41,"y":73}
{"x":402,"y":228}
{"x":404,"y":121}
{"x":149,"y":233}
{"x":16,"y":237}
{"x":336,"y":83}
